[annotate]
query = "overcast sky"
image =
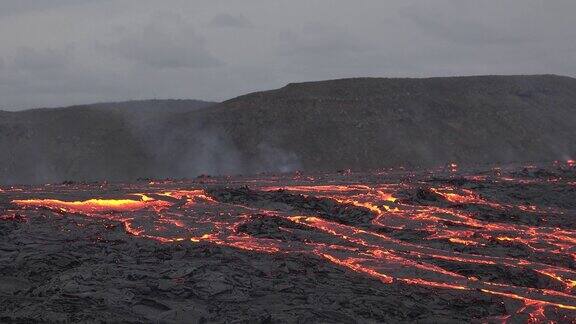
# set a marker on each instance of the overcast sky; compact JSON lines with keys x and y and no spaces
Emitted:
{"x":63,"y":52}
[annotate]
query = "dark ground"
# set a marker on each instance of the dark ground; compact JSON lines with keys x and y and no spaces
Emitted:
{"x":478,"y":245}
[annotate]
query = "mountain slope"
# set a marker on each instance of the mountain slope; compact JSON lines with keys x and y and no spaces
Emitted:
{"x":363,"y":123}
{"x":100,"y":141}
{"x":373,"y":123}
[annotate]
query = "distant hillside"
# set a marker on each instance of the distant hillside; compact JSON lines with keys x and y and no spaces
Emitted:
{"x":165,"y":106}
{"x":372,"y":122}
{"x":360,"y":123}
{"x":99,"y":141}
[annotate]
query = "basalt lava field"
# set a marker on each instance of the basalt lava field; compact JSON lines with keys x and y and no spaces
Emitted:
{"x":482,"y":244}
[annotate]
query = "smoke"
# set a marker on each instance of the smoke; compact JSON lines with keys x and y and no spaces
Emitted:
{"x":272,"y":158}
{"x":211,"y":153}
{"x":127,"y":141}
{"x":186,"y":145}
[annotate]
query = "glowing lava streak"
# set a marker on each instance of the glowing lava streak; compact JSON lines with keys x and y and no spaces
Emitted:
{"x":438,"y":243}
{"x":94,"y":205}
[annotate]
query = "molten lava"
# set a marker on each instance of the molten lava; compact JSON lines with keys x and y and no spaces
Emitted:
{"x":450,"y":243}
{"x":93,"y":206}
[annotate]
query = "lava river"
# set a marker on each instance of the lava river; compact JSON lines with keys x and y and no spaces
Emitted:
{"x":507,"y":233}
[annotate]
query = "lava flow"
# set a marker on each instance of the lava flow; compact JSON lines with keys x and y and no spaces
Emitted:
{"x":509,"y":235}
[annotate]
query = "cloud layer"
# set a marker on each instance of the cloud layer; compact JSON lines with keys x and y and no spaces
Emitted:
{"x":67,"y":52}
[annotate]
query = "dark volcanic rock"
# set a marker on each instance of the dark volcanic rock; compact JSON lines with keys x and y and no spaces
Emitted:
{"x":135,"y":281}
{"x":325,"y":207}
{"x":423,"y":249}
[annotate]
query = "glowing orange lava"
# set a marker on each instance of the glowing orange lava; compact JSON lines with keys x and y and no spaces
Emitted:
{"x":93,"y":205}
{"x":405,"y":242}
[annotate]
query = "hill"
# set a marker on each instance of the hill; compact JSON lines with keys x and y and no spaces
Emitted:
{"x":373,"y":123}
{"x":364,"y":123}
{"x":90,"y":142}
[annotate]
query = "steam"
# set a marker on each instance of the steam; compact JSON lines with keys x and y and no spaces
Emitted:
{"x":212,"y":153}
{"x":275,"y":159}
{"x":192,"y":149}
{"x":124,"y":142}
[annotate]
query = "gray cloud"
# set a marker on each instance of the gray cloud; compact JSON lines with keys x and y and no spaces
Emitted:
{"x":227,"y":20}
{"x":459,"y":22}
{"x":318,"y":39}
{"x":166,"y":42}
{"x":458,"y":30}
{"x":32,"y":59}
{"x":65,"y":52}
{"x":15,"y":7}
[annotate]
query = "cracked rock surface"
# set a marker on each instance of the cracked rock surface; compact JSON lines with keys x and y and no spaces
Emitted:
{"x":477,"y":245}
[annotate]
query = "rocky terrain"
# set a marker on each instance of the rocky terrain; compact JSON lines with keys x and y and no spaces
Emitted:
{"x":449,"y":245}
{"x":362,"y":124}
